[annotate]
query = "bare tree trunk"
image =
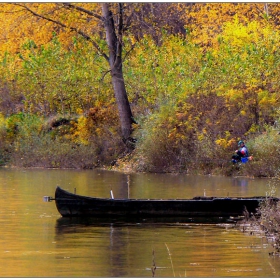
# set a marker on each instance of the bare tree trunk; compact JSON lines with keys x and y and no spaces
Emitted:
{"x":114,"y":41}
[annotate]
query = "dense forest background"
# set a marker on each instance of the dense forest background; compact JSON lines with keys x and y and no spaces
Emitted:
{"x":198,"y":77}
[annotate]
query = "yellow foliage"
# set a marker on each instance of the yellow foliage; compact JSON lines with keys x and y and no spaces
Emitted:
{"x":253,"y":129}
{"x":206,"y":20}
{"x":221,"y":142}
{"x":233,"y":94}
{"x":2,"y":120}
{"x":225,"y":143}
{"x":17,"y":24}
{"x":81,"y":131}
{"x":200,"y":136}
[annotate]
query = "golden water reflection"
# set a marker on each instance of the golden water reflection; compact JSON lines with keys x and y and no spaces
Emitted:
{"x":36,"y":242}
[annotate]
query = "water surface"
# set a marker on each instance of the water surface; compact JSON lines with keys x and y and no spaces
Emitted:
{"x":37,"y":242}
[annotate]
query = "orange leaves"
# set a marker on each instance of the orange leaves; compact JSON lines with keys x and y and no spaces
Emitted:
{"x":96,"y":123}
{"x":18,"y":24}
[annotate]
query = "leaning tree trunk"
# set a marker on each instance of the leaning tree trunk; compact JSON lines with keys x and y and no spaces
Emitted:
{"x":114,"y":41}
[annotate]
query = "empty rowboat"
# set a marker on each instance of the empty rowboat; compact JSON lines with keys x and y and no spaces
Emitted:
{"x":73,"y":205}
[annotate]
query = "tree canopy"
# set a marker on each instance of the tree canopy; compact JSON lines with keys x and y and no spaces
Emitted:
{"x":196,"y":76}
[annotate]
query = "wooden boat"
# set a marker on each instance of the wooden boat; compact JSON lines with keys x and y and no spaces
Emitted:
{"x":73,"y":205}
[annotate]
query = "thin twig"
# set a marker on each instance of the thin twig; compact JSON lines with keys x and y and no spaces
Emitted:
{"x":154,"y":264}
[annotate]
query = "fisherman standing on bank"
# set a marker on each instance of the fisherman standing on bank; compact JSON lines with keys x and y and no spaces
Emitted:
{"x":241,"y":154}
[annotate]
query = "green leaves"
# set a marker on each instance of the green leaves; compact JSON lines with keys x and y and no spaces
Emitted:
{"x":55,"y":80}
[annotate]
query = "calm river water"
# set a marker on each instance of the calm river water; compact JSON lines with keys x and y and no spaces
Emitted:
{"x":37,"y":242}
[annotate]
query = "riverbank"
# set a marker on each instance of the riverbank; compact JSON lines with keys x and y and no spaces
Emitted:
{"x":135,"y":163}
{"x":132,"y":164}
{"x":29,"y":141}
{"x":267,"y":224}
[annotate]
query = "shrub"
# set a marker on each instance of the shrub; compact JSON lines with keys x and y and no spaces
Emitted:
{"x":44,"y":151}
{"x":4,"y":145}
{"x":265,"y":149}
{"x":53,"y":143}
{"x":268,"y":220}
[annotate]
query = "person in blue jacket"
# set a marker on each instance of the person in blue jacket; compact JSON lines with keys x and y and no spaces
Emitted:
{"x":241,"y":153}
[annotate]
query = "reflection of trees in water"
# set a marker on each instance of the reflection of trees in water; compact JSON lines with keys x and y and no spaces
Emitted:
{"x":125,"y":186}
{"x":127,"y":250}
{"x":122,"y":249}
{"x":240,"y":182}
{"x":107,"y":243}
{"x":117,"y":250}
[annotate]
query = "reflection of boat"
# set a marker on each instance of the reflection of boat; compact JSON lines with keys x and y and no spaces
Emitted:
{"x":66,"y":224}
{"x":72,"y":205}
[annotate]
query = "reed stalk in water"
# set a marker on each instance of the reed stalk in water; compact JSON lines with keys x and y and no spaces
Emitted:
{"x":170,"y":259}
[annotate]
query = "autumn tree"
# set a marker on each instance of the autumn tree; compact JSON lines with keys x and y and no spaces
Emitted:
{"x":100,"y":23}
{"x":63,"y":15}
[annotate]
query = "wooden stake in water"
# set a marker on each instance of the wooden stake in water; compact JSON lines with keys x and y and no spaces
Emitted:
{"x":128,"y":185}
{"x":112,"y":195}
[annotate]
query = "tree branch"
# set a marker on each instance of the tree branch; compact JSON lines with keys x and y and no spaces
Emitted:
{"x":81,"y":9}
{"x":128,"y":52}
{"x":120,"y":30}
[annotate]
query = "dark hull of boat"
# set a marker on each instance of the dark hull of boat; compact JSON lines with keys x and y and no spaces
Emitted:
{"x":72,"y":205}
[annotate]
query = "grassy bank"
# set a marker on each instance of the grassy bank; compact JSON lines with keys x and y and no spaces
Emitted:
{"x":57,"y":142}
{"x":81,"y":142}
